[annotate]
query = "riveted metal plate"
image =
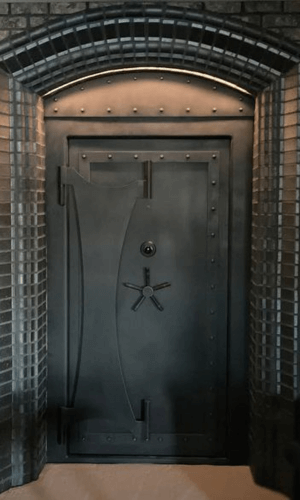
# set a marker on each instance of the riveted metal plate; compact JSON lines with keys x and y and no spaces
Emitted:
{"x":86,"y":160}
{"x":149,"y":95}
{"x":128,"y":180}
{"x":178,"y":218}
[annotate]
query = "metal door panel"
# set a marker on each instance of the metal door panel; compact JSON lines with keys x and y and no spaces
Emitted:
{"x":100,"y":235}
{"x":124,"y":358}
{"x":157,"y":346}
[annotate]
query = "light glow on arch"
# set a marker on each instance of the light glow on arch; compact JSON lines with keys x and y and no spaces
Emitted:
{"x":147,"y":68}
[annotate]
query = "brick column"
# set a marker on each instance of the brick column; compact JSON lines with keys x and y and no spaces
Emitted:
{"x":5,"y":287}
{"x":22,"y":286}
{"x":274,"y":344}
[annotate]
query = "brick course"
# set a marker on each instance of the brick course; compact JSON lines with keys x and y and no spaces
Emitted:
{"x":281,"y":18}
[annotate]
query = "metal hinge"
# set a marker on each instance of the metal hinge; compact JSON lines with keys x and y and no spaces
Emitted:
{"x":62,"y":181}
{"x":66,"y":416}
{"x":142,"y":426}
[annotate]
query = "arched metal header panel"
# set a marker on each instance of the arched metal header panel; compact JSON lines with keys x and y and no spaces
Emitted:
{"x":123,"y":36}
{"x":149,"y":95}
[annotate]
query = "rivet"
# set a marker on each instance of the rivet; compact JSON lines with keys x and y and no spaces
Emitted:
{"x":161,"y":77}
{"x":212,"y":311}
{"x":161,"y":110}
{"x":188,"y":110}
{"x":161,"y":157}
{"x":212,"y":337}
{"x":212,"y":287}
{"x":211,"y":363}
{"x":213,"y":209}
{"x":214,"y":110}
{"x":134,"y":438}
{"x":82,"y":110}
{"x":55,"y":110}
{"x":241,"y":98}
{"x":108,"y":110}
{"x":188,"y":81}
{"x":81,"y":88}
{"x":160,"y":439}
{"x":83,"y":156}
{"x":213,"y":235}
{"x":135,"y":78}
{"x":109,"y":157}
{"x":213,"y":182}
{"x":212,"y":261}
{"x":147,"y":439}
{"x":136,"y":157}
{"x":135,"y":110}
{"x":214,"y":157}
{"x":83,"y":439}
{"x":108,"y":438}
{"x":55,"y":99}
{"x":241,"y":109}
{"x":187,"y":156}
{"x":108,"y":81}
{"x":214,"y":88}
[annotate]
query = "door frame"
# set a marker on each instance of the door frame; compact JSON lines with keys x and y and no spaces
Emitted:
{"x":239,"y":129}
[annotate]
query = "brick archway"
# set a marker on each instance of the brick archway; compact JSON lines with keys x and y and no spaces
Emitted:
{"x":162,"y":35}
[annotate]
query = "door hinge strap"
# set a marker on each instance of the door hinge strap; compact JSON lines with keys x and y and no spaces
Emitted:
{"x":62,"y":181}
{"x":66,"y":416}
{"x":142,"y":426}
{"x":148,"y":179}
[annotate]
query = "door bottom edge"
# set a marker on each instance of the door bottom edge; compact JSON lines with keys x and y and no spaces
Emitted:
{"x":142,"y":460}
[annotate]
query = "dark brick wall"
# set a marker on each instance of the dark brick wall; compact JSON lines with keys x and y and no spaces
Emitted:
{"x":23,"y":334}
{"x":274,"y":343}
{"x":280,"y":17}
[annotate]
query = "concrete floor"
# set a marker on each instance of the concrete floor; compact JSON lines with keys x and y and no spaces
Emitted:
{"x":142,"y":482}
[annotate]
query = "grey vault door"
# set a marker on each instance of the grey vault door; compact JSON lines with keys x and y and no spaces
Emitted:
{"x":146,"y":266}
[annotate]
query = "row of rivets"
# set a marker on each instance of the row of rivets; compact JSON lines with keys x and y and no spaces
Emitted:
{"x":135,"y":110}
{"x":161,"y":157}
{"x":214,"y":156}
{"x":159,"y":439}
{"x":213,"y":260}
{"x":214,"y":110}
{"x":110,"y":156}
{"x":212,"y":310}
{"x":185,"y":439}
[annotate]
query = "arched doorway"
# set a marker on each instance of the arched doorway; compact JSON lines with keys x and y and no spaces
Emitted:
{"x":160,"y":35}
{"x":149,"y":231}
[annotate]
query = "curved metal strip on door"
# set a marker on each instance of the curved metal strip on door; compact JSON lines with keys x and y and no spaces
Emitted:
{"x":144,"y":329}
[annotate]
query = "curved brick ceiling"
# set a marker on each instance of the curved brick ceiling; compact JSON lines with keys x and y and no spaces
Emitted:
{"x":133,"y":35}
